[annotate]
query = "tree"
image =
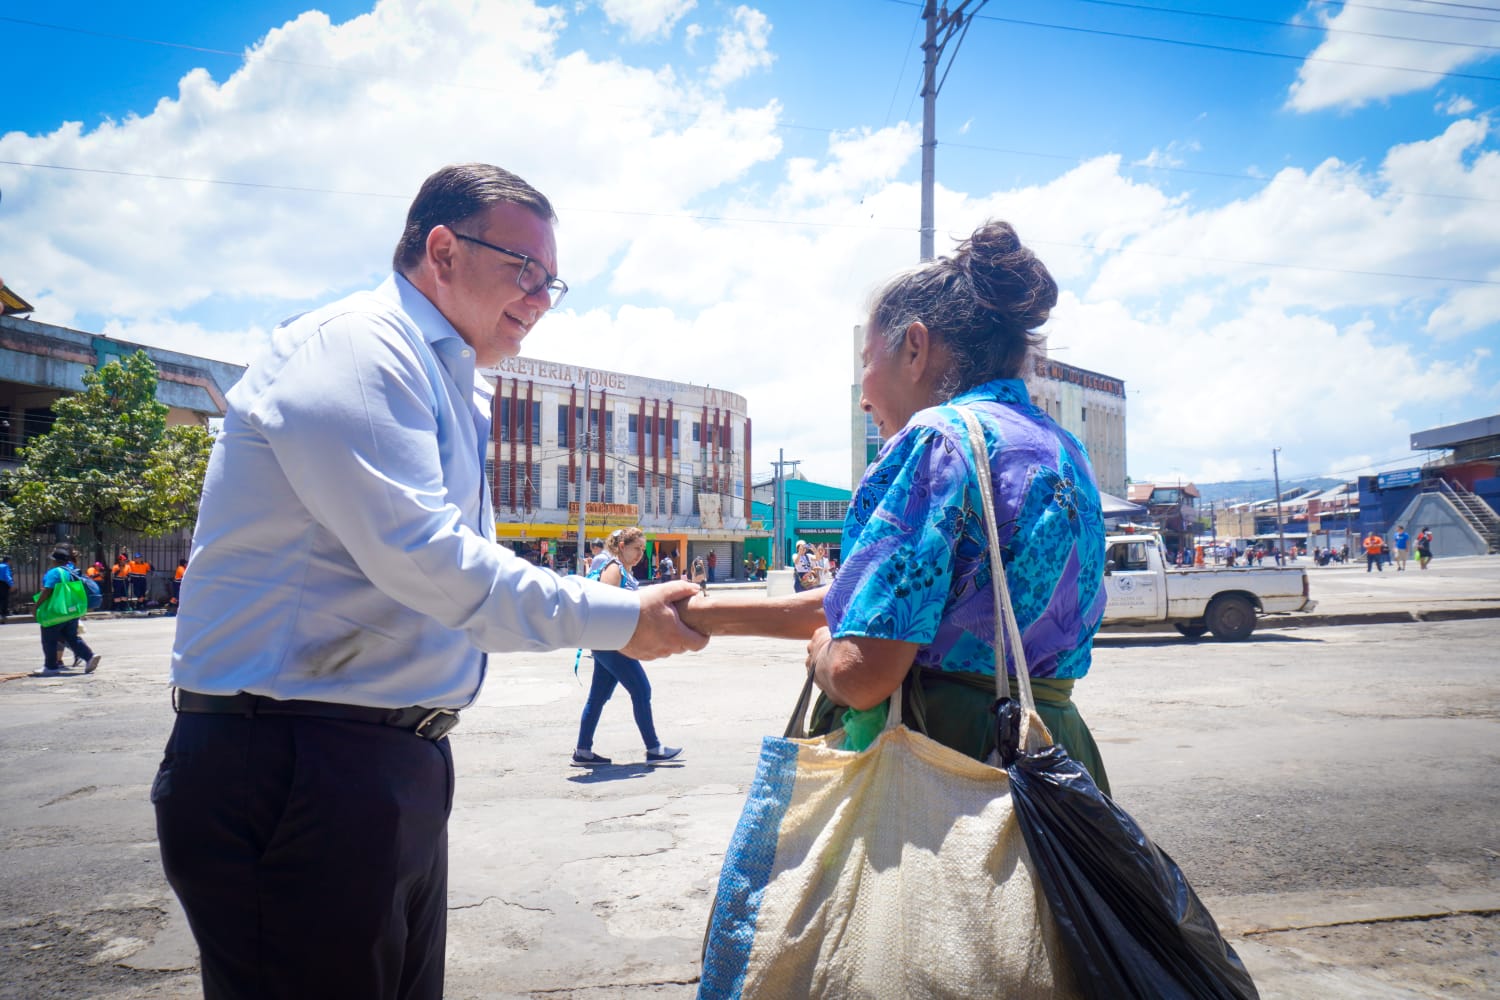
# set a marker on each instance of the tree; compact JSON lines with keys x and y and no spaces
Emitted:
{"x":110,"y":462}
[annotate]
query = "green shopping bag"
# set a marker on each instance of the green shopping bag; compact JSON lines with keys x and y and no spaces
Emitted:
{"x":68,"y":600}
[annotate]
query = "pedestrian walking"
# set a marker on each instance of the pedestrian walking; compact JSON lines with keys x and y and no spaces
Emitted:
{"x":699,"y":575}
{"x":1400,"y":541}
{"x":63,"y":633}
{"x":712,"y":564}
{"x":347,"y":588}
{"x":1374,"y":552}
{"x":1424,"y":547}
{"x":624,"y":549}
{"x":804,"y":574}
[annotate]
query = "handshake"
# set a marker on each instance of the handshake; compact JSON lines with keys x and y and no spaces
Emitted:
{"x":677,"y":618}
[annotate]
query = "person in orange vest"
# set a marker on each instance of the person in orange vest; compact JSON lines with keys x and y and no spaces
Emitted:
{"x":138,"y":569}
{"x":120,"y":575}
{"x":177,"y":584}
{"x":1374,"y":552}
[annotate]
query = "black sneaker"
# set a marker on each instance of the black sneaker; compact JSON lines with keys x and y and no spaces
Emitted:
{"x":587,"y":758}
{"x":662,"y":754}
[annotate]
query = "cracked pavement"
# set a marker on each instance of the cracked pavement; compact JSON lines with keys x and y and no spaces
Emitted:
{"x":1331,"y":793}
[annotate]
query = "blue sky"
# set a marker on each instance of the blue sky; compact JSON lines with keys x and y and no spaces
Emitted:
{"x":1296,"y":249}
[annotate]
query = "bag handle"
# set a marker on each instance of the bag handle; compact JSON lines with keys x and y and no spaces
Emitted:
{"x":1034,"y":734}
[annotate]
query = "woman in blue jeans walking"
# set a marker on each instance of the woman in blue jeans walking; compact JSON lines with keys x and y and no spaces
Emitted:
{"x":623,"y":550}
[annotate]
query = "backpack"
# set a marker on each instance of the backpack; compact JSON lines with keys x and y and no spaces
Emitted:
{"x":96,"y":596}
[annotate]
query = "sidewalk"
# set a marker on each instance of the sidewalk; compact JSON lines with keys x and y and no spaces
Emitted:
{"x":1449,"y":589}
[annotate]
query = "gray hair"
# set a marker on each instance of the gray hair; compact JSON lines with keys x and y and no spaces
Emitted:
{"x":982,"y":303}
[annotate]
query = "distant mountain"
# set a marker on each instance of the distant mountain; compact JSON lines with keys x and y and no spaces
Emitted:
{"x":1245,"y":490}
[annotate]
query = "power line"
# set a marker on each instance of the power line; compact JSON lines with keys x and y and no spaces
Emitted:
{"x":1213,"y":47}
{"x":1228,"y":175}
{"x":1330,"y":29}
{"x":1417,"y":13}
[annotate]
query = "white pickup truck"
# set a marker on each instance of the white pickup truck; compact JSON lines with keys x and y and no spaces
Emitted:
{"x":1223,"y":600}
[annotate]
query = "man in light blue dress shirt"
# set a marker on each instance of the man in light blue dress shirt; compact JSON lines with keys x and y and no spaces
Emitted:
{"x":344,"y":592}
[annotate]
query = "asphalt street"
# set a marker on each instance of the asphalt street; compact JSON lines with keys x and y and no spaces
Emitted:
{"x":1330,"y":790}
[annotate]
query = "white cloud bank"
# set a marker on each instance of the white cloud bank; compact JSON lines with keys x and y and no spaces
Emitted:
{"x":1373,"y":52}
{"x":700,"y":252}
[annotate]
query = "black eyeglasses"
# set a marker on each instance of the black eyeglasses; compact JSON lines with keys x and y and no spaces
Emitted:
{"x":532,"y":277}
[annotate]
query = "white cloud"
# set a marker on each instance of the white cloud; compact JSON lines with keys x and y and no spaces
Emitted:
{"x":1455,"y":106}
{"x":1371,"y":54}
{"x":646,"y":19}
{"x":701,"y":251}
{"x":743,"y":47}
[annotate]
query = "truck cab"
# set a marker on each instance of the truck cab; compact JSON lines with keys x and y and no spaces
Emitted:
{"x":1133,"y":579}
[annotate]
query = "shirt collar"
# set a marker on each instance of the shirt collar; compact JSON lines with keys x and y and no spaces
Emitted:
{"x":1001,"y":390}
{"x":433,"y":324}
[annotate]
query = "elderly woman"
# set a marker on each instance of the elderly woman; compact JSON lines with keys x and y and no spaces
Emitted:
{"x":911,"y":608}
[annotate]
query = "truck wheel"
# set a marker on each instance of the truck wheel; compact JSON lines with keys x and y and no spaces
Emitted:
{"x":1230,"y":617}
{"x":1193,"y":630}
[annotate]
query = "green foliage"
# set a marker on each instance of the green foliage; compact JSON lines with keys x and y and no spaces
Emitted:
{"x":110,"y":462}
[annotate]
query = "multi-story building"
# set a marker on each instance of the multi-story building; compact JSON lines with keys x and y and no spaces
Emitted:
{"x":1089,"y":405}
{"x":672,"y":457}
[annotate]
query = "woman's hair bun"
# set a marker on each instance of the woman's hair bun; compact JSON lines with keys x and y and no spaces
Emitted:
{"x":1008,"y":278}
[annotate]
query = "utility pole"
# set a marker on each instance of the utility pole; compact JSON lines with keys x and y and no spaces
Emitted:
{"x":779,"y":519}
{"x":947,"y":24}
{"x":585,"y":440}
{"x":1280,"y":530}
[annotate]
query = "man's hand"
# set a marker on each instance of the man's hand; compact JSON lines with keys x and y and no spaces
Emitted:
{"x":659,"y":632}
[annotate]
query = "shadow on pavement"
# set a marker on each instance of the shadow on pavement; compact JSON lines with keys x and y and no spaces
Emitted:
{"x":1173,"y":639}
{"x":618,"y":772}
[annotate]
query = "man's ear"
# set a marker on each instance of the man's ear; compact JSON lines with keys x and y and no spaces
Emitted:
{"x":442,"y":248}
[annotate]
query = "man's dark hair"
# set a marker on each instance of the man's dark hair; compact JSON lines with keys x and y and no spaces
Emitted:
{"x":455,"y":194}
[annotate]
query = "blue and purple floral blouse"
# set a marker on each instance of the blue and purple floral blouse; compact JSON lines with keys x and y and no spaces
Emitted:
{"x":915,"y":562}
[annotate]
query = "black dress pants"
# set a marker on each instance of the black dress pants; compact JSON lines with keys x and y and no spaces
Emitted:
{"x":311,"y":855}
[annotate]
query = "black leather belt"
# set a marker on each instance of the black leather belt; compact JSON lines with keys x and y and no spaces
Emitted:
{"x":428,"y":723}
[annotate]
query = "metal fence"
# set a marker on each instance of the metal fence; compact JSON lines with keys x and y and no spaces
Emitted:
{"x":29,"y":564}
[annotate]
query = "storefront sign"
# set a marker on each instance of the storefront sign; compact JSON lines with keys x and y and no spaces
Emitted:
{"x":621,"y":514}
{"x":1401,"y":477}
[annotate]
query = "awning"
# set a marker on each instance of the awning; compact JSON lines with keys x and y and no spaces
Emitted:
{"x":1112,"y":504}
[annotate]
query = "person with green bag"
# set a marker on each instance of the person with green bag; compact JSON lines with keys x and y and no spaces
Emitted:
{"x":60,"y":603}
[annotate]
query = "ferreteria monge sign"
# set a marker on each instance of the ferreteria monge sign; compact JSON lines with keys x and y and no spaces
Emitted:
{"x":622,"y":515}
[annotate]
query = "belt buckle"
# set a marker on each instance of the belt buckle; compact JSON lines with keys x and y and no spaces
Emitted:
{"x":438,"y":723}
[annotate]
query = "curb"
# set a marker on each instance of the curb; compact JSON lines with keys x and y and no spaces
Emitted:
{"x":1382,"y":617}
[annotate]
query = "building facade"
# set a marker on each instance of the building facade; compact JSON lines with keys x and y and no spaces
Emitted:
{"x":672,"y":457}
{"x":1087,"y":404}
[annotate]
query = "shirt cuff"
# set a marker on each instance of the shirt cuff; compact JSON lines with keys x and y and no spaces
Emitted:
{"x":613,"y":614}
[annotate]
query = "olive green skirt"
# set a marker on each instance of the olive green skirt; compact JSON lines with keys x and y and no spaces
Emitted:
{"x":955,"y":709}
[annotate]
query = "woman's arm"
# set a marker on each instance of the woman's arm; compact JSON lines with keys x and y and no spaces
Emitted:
{"x":856,"y":671}
{"x":796,"y":616}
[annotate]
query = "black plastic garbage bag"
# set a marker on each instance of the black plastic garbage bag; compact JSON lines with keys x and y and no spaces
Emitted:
{"x":1128,"y":920}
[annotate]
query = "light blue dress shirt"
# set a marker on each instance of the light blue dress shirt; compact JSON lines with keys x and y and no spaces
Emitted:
{"x":345,"y":548}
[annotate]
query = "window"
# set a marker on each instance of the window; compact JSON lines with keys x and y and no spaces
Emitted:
{"x":502,"y":421}
{"x":564,"y":488}
{"x":632,"y":435}
{"x":1129,"y":556}
{"x":822,"y":510}
{"x":528,"y":485}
